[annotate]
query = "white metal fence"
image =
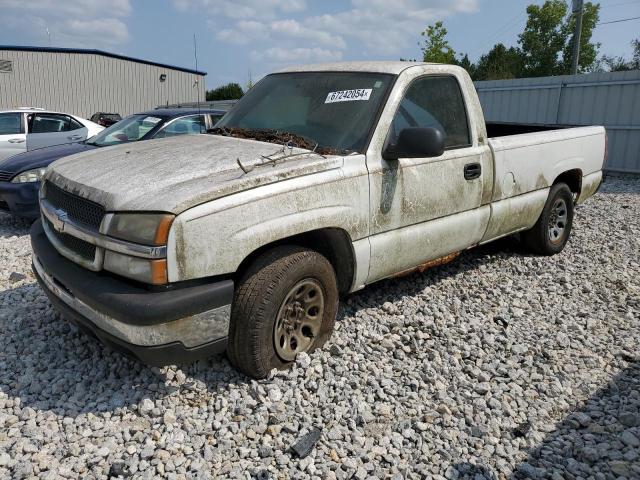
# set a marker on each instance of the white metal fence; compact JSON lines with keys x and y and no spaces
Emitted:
{"x":609,"y":99}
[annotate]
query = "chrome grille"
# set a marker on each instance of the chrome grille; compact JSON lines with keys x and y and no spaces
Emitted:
{"x":77,"y":208}
{"x":6,"y":176}
{"x":85,"y":249}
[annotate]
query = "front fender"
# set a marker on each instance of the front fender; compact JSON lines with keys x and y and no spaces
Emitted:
{"x":214,"y":238}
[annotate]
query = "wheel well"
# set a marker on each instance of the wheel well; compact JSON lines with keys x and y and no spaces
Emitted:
{"x":573,"y":179}
{"x":333,"y":243}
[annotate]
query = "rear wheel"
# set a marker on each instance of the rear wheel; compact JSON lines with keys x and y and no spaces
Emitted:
{"x":552,"y":230}
{"x":285,"y":304}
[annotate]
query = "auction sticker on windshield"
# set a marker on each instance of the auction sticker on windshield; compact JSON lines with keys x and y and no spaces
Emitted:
{"x":349,"y":95}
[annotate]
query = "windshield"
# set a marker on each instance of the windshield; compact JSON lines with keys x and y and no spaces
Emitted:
{"x":335,"y":110}
{"x":130,"y":129}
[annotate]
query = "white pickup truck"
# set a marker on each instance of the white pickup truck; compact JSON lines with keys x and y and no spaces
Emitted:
{"x":321,"y":180}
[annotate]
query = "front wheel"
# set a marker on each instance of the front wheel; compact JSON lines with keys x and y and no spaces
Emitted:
{"x":285,"y":304}
{"x":552,"y":230}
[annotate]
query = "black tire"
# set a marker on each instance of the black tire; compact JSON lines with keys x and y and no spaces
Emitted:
{"x":542,"y":238}
{"x":260,"y":299}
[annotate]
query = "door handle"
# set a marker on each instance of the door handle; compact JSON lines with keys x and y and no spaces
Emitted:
{"x":16,"y":140}
{"x":75,"y":137}
{"x":472,"y":171}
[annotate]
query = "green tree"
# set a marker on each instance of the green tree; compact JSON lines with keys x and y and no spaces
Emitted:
{"x":621,"y":64}
{"x":544,"y":38}
{"x":500,"y":63}
{"x":436,"y":47}
{"x":614,"y":64}
{"x":468,"y":65}
{"x":230,"y":91}
{"x":547,"y":40}
{"x":588,"y":50}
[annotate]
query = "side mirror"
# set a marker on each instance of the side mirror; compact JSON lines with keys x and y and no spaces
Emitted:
{"x":416,"y":142}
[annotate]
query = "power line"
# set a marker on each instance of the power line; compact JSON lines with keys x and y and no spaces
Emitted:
{"x":499,"y":32}
{"x":619,"y":21}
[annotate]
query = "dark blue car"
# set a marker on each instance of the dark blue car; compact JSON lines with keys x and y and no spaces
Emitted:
{"x":20,"y":174}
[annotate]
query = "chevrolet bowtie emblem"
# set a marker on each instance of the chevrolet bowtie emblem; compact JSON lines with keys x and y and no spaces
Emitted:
{"x":59,"y":219}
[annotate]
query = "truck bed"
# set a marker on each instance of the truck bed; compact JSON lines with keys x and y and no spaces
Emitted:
{"x":525,"y":162}
{"x":506,"y":129}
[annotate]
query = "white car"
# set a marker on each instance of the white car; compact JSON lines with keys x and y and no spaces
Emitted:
{"x":30,"y":128}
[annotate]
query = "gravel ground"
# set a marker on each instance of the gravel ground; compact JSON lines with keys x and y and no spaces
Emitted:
{"x":499,"y":365}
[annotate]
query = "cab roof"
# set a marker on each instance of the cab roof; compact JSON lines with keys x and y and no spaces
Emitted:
{"x":393,"y":67}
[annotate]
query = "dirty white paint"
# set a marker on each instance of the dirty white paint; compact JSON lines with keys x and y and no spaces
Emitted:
{"x":407,"y":247}
{"x":515,"y":214}
{"x":222,"y":233}
{"x":535,"y":160}
{"x":396,"y":214}
{"x":590,"y":184}
{"x":177,"y":173}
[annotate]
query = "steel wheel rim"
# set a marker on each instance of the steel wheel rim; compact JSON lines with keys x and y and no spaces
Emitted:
{"x":558,"y":220}
{"x":299,"y":319}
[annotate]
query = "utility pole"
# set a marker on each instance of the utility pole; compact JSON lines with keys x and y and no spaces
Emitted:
{"x":578,"y":11}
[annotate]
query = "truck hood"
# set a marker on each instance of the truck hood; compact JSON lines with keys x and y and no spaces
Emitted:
{"x":174,"y":174}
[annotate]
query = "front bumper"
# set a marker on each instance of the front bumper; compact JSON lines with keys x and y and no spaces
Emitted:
{"x":20,"y":199}
{"x":174,"y":326}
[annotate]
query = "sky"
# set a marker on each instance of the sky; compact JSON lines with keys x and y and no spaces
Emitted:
{"x":240,"y":39}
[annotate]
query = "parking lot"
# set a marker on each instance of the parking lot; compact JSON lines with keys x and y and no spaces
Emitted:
{"x":498,"y":365}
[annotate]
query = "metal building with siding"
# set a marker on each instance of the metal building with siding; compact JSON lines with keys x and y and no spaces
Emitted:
{"x":609,"y":99}
{"x":84,"y":82}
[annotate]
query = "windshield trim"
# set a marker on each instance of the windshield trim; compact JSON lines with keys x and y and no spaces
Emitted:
{"x":378,"y":115}
{"x":383,"y":101}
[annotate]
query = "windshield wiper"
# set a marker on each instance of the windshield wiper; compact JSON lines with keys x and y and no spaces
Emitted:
{"x":286,"y":152}
{"x":288,"y":139}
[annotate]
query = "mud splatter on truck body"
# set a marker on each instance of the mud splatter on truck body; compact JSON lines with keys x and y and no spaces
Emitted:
{"x":370,"y":214}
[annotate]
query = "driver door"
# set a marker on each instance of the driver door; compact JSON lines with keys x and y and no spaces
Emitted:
{"x":426,"y":208}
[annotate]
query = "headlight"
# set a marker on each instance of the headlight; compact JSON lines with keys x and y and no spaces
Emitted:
{"x":29,"y":176}
{"x":144,"y":228}
{"x":141,"y":269}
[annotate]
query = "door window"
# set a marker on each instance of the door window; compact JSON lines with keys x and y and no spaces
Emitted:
{"x":215,"y":118}
{"x":74,"y":124}
{"x":434,"y":102}
{"x":192,"y":125}
{"x":49,"y":123}
{"x":10,"y":123}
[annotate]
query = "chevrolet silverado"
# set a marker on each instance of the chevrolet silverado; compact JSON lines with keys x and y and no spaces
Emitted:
{"x":321,"y":180}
